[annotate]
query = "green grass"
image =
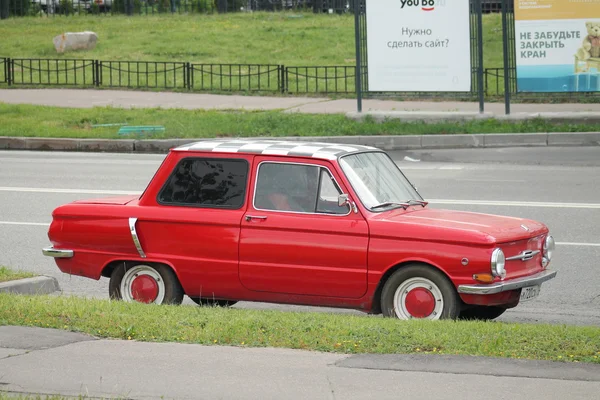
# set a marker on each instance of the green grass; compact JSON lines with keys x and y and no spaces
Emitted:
{"x":7,"y":274}
{"x":309,"y":331}
{"x":42,"y":121}
{"x":262,"y":37}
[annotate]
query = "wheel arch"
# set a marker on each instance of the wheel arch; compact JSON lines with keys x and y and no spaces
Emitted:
{"x":110,"y":266}
{"x":376,"y":305}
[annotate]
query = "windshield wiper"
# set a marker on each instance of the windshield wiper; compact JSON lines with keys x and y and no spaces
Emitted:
{"x":390,"y":203}
{"x":421,"y":202}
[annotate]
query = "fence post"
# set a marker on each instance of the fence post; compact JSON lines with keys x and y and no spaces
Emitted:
{"x":4,"y":9}
{"x":506,"y":58}
{"x":9,"y":71}
{"x":281,"y":78}
{"x":129,"y":6}
{"x":357,"y":40}
{"x":188,"y":80}
{"x":97,"y":69}
{"x":480,"y":55}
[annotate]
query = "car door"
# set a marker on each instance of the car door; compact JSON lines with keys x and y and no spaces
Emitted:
{"x":296,"y":239}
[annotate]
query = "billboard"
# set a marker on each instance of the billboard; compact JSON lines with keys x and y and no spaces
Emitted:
{"x":557,"y":45}
{"x":418,"y":45}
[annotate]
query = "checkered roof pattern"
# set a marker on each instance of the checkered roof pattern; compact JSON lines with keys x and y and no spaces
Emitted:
{"x":328,"y":151}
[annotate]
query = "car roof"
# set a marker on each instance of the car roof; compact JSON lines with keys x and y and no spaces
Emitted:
{"x":328,"y":151}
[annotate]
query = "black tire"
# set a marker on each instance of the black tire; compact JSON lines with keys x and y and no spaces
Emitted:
{"x":203,"y":301}
{"x":173,"y":292}
{"x":447,"y":308}
{"x":483,"y":313}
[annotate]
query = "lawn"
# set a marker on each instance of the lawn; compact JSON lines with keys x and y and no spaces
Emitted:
{"x":292,"y":39}
{"x":7,"y":274}
{"x":42,"y":121}
{"x":325,"y":332}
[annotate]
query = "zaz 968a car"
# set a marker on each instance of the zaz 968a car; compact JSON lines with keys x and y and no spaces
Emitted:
{"x":299,"y":223}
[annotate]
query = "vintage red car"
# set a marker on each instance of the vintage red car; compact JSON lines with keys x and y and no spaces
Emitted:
{"x":316,"y":224}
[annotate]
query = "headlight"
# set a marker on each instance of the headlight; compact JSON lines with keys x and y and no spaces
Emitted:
{"x":549,"y":246}
{"x":498,"y":262}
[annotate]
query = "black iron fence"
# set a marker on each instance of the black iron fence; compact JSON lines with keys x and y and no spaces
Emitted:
{"x":235,"y":77}
{"x":212,"y":78}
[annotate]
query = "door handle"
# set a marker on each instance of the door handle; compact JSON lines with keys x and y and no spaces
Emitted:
{"x":251,"y":217}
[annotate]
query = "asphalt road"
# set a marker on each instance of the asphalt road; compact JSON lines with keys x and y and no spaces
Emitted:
{"x":558,"y":186}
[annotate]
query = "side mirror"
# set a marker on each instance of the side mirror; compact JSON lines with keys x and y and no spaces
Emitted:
{"x":343,"y":200}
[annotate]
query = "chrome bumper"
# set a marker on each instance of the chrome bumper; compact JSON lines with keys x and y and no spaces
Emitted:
{"x":512,"y":284}
{"x":52,"y":252}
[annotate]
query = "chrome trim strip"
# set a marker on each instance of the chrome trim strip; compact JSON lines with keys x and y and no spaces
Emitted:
{"x":512,"y":284}
{"x":134,"y":236}
{"x":57,"y":253}
{"x":524,"y":255}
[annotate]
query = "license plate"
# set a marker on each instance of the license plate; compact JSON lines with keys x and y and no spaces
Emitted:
{"x":530,"y":292}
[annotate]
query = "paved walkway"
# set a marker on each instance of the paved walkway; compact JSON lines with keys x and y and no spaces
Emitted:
{"x":86,"y":98}
{"x":49,"y":361}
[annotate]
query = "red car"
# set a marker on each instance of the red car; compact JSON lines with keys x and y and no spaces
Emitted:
{"x":316,"y":224}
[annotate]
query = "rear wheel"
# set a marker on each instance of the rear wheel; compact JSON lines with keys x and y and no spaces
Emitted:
{"x":203,"y":301}
{"x":482,"y":313}
{"x":419,"y":292}
{"x":145,"y":283}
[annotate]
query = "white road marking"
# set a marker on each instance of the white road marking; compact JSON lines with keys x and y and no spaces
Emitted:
{"x":61,"y":161}
{"x":69,"y":191}
{"x":513,"y":203}
{"x":24,"y":223}
{"x":578,"y":244}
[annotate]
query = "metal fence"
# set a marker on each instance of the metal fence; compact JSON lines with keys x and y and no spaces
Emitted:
{"x":232,"y":78}
{"x":235,"y":77}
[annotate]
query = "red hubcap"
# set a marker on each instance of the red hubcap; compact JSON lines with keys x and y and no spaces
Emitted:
{"x":144,"y":289}
{"x":420,"y":303}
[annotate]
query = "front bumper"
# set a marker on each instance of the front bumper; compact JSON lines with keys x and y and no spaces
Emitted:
{"x":511,"y":284}
{"x":56,"y":253}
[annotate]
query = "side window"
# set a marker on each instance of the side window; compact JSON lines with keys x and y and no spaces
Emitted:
{"x":296,"y":188}
{"x":328,"y":195}
{"x":203,"y":182}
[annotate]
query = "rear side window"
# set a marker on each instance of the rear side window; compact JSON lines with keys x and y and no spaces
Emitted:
{"x":206,"y":182}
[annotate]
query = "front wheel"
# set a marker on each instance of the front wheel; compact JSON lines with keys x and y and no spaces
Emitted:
{"x":419,"y":292}
{"x":484,"y":313}
{"x":145,"y":283}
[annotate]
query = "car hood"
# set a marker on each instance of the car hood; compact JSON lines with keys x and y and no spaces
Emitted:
{"x":454,"y":226}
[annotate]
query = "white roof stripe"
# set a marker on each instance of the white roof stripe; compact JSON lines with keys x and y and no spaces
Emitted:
{"x":276,"y":152}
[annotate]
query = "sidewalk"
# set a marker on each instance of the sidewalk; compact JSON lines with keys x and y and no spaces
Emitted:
{"x":48,"y":361}
{"x":85,"y":98}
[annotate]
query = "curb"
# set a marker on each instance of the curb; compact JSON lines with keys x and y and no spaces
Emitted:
{"x":37,"y":285}
{"x":390,"y":142}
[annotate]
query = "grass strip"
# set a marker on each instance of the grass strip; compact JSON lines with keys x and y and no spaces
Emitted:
{"x":324,"y":332}
{"x":288,"y":38}
{"x":44,"y":121}
{"x":7,"y":274}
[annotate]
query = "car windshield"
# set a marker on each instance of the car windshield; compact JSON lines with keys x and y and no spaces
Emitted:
{"x":378,"y":181}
